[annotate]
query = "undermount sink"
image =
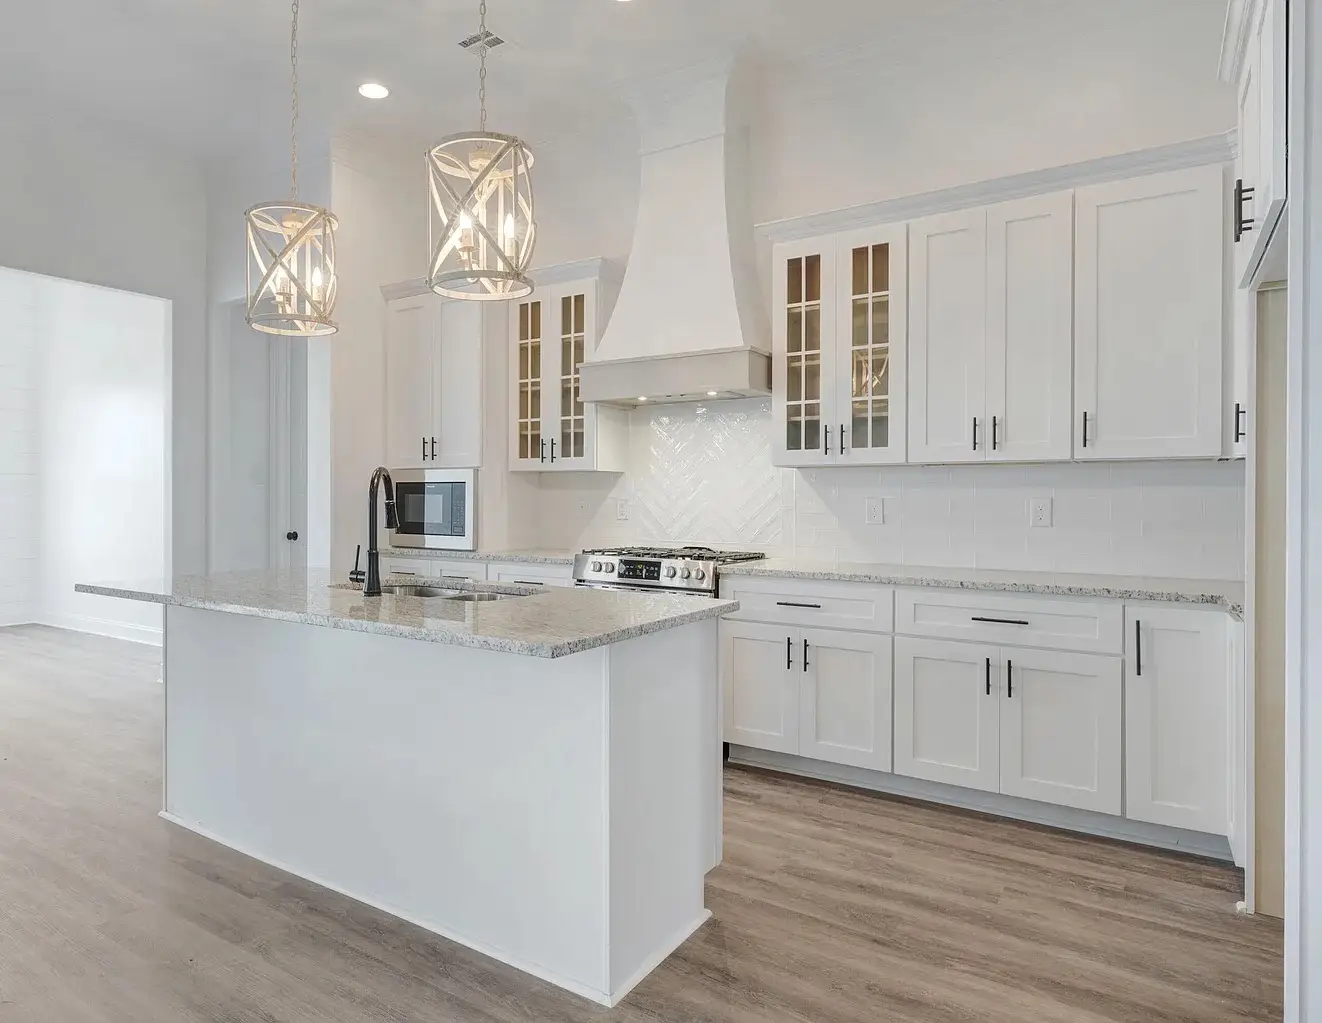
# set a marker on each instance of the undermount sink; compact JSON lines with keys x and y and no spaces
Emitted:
{"x":423,"y":590}
{"x":474,"y":596}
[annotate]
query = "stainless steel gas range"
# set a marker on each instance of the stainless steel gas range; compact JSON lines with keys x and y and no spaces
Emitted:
{"x":667,"y":569}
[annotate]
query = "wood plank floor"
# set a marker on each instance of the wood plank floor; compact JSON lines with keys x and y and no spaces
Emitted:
{"x":831,"y":905}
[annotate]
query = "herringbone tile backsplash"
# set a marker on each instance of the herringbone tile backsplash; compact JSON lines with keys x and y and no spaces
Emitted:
{"x":703,"y":474}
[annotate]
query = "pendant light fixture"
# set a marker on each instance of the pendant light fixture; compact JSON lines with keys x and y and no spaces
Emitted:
{"x":481,"y":225}
{"x":292,"y":282}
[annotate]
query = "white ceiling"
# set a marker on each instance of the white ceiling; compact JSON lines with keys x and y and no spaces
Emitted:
{"x":210,"y":75}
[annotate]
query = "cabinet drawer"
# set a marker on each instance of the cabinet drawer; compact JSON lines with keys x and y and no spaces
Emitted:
{"x":1053,"y":623}
{"x":476,"y":570}
{"x":531,"y":575}
{"x":422,"y":567}
{"x":822,"y":605}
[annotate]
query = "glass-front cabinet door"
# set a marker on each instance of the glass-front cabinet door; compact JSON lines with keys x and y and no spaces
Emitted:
{"x":803,"y":367}
{"x":528,"y":440}
{"x":871,"y":292}
{"x":569,"y":440}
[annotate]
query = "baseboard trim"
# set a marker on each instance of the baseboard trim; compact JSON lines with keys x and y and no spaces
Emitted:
{"x":1067,"y":818}
{"x":102,"y":627}
{"x":533,"y":969}
{"x":657,"y":958}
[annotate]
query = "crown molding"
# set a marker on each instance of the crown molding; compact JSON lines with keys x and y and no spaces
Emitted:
{"x":595,"y":268}
{"x":1176,"y":156}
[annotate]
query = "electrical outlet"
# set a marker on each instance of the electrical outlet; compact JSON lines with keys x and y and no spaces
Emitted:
{"x":1039,"y":513}
{"x":874,"y":511}
{"x":621,"y":510}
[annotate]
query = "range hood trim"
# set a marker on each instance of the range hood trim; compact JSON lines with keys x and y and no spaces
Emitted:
{"x":735,"y":372}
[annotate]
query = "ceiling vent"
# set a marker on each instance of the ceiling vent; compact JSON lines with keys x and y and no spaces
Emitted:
{"x":490,"y":38}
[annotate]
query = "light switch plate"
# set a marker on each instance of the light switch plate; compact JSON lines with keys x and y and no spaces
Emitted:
{"x":621,"y":510}
{"x":1039,"y":513}
{"x":874,"y":511}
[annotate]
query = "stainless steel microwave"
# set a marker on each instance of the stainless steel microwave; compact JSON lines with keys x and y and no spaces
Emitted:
{"x":436,"y":509}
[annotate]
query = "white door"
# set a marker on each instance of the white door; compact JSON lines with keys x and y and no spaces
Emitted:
{"x":845,"y":697}
{"x":572,"y":428}
{"x":1176,"y":713}
{"x":871,"y":294}
{"x":1061,"y":728}
{"x":528,"y":440}
{"x":948,"y":338}
{"x":457,"y":384}
{"x":804,"y":343}
{"x":947,"y":712}
{"x":1030,"y":328}
{"x":760,"y":679}
{"x":1148,"y":316}
{"x":410,"y":328}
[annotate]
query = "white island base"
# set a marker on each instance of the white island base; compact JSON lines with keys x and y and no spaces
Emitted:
{"x":558,"y":815}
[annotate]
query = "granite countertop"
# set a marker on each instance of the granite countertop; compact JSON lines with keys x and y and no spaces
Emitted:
{"x":554,"y":622}
{"x":525,"y":557}
{"x":1226,"y":595}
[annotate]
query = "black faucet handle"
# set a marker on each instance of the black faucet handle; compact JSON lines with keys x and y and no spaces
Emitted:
{"x":357,"y":575}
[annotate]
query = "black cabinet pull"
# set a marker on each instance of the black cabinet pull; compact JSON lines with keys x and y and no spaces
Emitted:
{"x":993,"y":433}
{"x":826,"y":439}
{"x":1138,"y":647}
{"x":1242,"y":224}
{"x":433,"y":449}
{"x":1009,"y":679}
{"x":789,"y":652}
{"x":998,"y":621}
{"x":293,"y":535}
{"x":1085,"y":429}
{"x":552,"y":450}
{"x":543,"y":449}
{"x":528,"y":582}
{"x":1239,"y":414}
{"x":842,"y":438}
{"x":989,"y":676}
{"x":794,"y":603}
{"x":805,"y":655}
{"x":975,"y":433}
{"x":424,"y":449}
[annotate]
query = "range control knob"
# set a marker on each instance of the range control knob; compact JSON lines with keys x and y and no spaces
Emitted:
{"x":685,"y":574}
{"x":670,"y":571}
{"x":596,"y":566}
{"x":610,"y":568}
{"x":700,"y":575}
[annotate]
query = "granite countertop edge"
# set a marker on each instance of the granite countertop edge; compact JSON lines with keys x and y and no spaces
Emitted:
{"x":531,"y":557}
{"x":1210,"y":597}
{"x":549,"y":649}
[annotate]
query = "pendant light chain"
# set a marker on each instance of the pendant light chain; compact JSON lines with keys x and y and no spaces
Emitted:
{"x":293,"y":115}
{"x":482,"y":73}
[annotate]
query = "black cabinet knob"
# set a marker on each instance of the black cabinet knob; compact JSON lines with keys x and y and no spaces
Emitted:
{"x":291,"y":535}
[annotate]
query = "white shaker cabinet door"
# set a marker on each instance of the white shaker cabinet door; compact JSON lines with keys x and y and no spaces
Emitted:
{"x":410,"y":374}
{"x":1149,"y":289}
{"x":1061,"y":725}
{"x":1177,"y":696}
{"x":759,"y":676}
{"x":1030,"y":329}
{"x":947,"y":338}
{"x":845,"y":697}
{"x":947,"y":712}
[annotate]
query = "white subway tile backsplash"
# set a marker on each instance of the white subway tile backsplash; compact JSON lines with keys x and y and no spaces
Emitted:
{"x":703,"y":474}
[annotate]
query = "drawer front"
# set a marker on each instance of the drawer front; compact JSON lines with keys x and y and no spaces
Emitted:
{"x":822,"y":605}
{"x":531,"y":575}
{"x":422,"y":567}
{"x":476,"y":570}
{"x":1049,"y":622}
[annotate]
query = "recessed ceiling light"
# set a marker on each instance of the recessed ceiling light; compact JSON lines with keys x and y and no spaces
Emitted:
{"x":373,"y":90}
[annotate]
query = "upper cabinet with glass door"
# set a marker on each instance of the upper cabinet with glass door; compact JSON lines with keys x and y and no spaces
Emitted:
{"x":552,"y":331}
{"x":838,"y":331}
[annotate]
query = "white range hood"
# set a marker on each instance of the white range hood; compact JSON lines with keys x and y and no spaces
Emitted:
{"x":689,"y":323}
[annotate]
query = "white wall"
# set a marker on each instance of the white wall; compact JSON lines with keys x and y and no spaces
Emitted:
{"x":18,"y":447}
{"x":104,"y":366}
{"x":86,"y":204}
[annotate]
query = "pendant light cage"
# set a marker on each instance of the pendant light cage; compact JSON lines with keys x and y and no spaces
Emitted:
{"x":482,"y":228}
{"x":292,"y":281}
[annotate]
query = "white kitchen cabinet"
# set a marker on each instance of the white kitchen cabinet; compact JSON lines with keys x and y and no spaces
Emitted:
{"x":432,"y":568}
{"x":1243,"y":350}
{"x":1148,"y":316}
{"x":531,"y":574}
{"x":433,"y":383}
{"x":1061,"y":728}
{"x":1256,"y":60}
{"x":761,"y":688}
{"x":845,"y":697}
{"x":1177,"y":699}
{"x":948,"y":337}
{"x":947,"y":712}
{"x":1030,"y":329}
{"x":552,"y":429}
{"x":839,"y":332}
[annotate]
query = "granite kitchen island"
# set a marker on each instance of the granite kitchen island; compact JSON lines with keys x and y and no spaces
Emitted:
{"x":535,"y":776}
